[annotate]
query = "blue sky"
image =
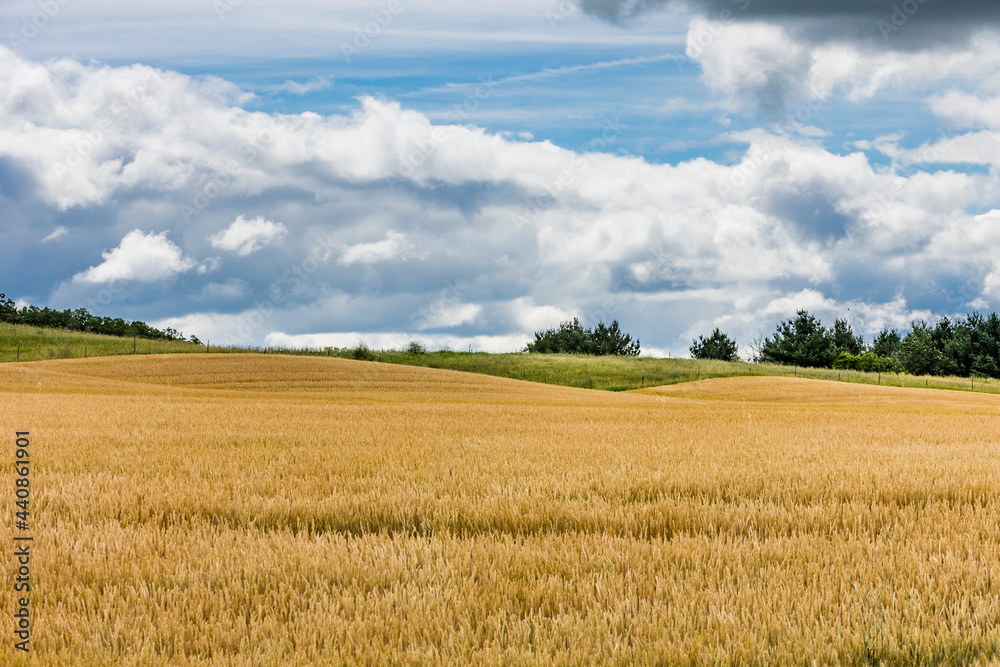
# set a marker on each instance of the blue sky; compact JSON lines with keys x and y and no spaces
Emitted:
{"x":267,"y":173}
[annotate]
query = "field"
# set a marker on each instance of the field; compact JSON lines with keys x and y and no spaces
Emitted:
{"x":24,"y":343}
{"x":250,"y":509}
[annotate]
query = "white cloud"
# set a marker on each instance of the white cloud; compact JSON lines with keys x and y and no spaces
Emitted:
{"x":233,"y":288}
{"x":750,"y":63}
{"x":448,"y":315}
{"x":245,"y":237}
{"x":971,"y":148}
{"x":538,"y":233}
{"x":56,"y":234}
{"x":531,"y":317}
{"x":966,"y":109}
{"x":210,"y":265}
{"x":313,"y":85}
{"x":140,"y":257}
{"x":399,"y":340}
{"x":210,"y":327}
{"x":394,"y":247}
{"x":764,"y":65}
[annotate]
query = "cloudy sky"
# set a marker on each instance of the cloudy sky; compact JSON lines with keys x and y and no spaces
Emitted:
{"x":315,"y":173}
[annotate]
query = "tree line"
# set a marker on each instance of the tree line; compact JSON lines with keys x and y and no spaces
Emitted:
{"x":80,"y":319}
{"x":962,"y":347}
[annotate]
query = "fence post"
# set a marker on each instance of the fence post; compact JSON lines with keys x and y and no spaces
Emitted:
{"x":133,"y":344}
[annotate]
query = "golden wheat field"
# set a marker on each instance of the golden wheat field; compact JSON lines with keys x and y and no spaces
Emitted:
{"x":265,"y":510}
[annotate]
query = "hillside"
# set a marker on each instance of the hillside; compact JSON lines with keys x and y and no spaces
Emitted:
{"x":26,"y":343}
{"x":585,"y":372}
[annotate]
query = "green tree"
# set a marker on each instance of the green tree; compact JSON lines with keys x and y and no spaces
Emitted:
{"x":845,"y":340}
{"x":8,"y":309}
{"x":919,"y":354}
{"x":985,"y":332}
{"x":569,"y":338}
{"x":416,"y":347}
{"x":957,"y":351}
{"x":572,"y":338}
{"x":887,"y":343}
{"x":716,"y":346}
{"x":802,"y":341}
{"x":612,"y":341}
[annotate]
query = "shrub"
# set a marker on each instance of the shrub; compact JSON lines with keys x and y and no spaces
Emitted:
{"x":868,"y":363}
{"x":362,"y":352}
{"x":572,"y":338}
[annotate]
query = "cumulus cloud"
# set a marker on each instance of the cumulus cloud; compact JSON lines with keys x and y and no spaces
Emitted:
{"x":965,"y":109}
{"x":769,"y":55}
{"x":393,"y":247}
{"x":535,"y":233}
{"x":140,"y":257}
{"x":770,"y":67}
{"x":245,"y":237}
{"x":399,"y":341}
{"x":233,"y":288}
{"x":210,"y":265}
{"x":531,"y":317}
{"x":446,"y":316}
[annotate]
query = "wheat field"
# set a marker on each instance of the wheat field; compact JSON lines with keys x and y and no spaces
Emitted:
{"x":263,"y":510}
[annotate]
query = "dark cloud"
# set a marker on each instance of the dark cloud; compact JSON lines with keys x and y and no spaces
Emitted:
{"x":810,"y":212}
{"x":905,"y":24}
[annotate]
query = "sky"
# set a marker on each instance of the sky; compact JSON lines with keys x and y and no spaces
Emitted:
{"x":310,"y":173}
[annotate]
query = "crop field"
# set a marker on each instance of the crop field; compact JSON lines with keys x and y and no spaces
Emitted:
{"x":254,"y":510}
{"x":25,"y":343}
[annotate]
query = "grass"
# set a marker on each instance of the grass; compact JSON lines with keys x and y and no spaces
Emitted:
{"x":19,"y":342}
{"x":603,"y":373}
{"x":247,"y":509}
{"x":625,"y":374}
